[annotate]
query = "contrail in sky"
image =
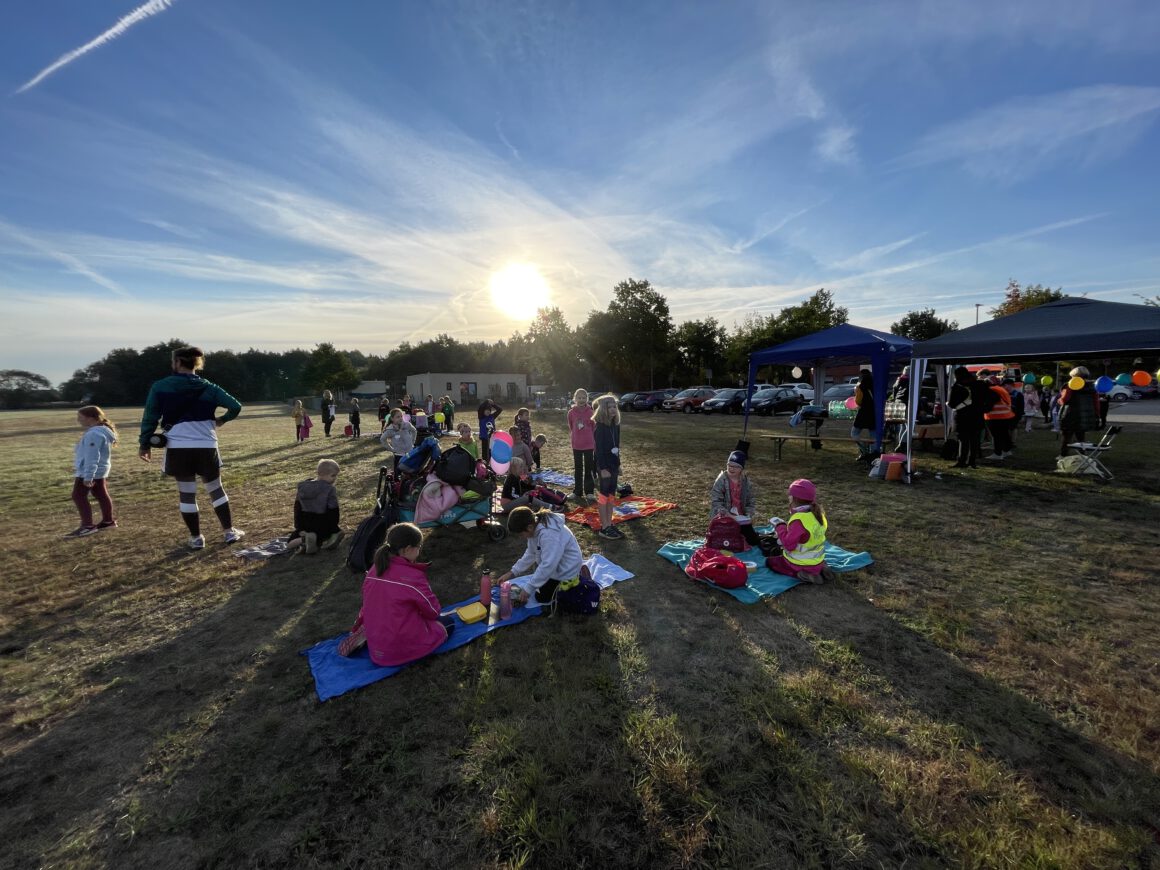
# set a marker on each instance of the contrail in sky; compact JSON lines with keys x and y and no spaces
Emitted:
{"x":153,"y":7}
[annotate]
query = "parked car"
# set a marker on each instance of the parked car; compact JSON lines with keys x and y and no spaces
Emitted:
{"x":651,"y":400}
{"x":688,"y":401}
{"x":804,"y":390}
{"x":1151,"y":391}
{"x":773,"y":399}
{"x":729,"y":401}
{"x":626,"y":401}
{"x":841,"y":391}
{"x":1120,"y":393}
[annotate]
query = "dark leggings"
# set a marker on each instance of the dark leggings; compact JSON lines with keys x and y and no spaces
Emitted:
{"x":583,"y":472}
{"x":100,"y":491}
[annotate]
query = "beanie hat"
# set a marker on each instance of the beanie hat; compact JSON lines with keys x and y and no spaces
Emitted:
{"x":738,"y":458}
{"x":803,"y":490}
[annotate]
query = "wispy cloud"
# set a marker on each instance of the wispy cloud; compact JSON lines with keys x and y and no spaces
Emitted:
{"x":866,"y":258}
{"x":66,"y":259}
{"x":1018,"y":136}
{"x":768,"y":229}
{"x":146,"y":10}
{"x":836,"y":145}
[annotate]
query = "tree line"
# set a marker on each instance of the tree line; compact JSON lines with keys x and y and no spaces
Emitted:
{"x":632,"y":344}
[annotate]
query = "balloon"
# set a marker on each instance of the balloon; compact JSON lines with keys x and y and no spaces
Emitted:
{"x":1104,"y":384}
{"x":502,"y":438}
{"x":852,"y":403}
{"x":501,"y":452}
{"x":1029,"y":378}
{"x":440,"y":417}
{"x":1123,"y":379}
{"x":499,"y":467}
{"x":1047,"y":380}
{"x":406,"y":418}
{"x":797,"y":372}
{"x":1075,"y":383}
{"x":1141,"y":379}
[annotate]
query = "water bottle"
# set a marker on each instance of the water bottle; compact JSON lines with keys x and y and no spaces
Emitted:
{"x":485,"y":587}
{"x":505,"y":599}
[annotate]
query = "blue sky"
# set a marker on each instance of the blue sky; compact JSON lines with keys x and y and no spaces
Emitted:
{"x":275,"y":174}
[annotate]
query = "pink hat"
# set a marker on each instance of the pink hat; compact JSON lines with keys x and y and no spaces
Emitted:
{"x":803,"y":490}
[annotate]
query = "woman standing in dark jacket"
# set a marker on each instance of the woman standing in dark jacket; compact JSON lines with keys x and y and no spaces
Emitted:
{"x":865,"y":420}
{"x":1079,"y":411}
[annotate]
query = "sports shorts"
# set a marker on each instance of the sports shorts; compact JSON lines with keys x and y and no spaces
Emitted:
{"x":190,"y":462}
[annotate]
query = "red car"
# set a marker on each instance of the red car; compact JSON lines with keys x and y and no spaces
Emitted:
{"x":688,"y":401}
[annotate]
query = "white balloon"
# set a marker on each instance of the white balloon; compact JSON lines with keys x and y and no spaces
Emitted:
{"x":797,"y":372}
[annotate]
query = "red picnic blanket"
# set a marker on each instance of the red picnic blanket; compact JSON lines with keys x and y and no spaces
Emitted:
{"x":631,"y":508}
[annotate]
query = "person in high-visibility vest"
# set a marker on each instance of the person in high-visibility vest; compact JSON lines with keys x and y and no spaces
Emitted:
{"x":802,"y":537}
{"x":1001,"y":420}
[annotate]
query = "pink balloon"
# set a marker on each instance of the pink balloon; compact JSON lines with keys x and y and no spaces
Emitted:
{"x":406,"y":418}
{"x":852,"y":403}
{"x":505,"y":437}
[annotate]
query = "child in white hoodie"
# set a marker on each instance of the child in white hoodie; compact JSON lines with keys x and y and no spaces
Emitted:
{"x":92,"y":462}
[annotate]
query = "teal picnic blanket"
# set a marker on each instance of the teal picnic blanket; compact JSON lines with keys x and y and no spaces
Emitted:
{"x":764,"y":583}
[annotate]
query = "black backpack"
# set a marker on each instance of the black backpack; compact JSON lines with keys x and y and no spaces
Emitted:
{"x":455,"y":466}
{"x":372,"y":531}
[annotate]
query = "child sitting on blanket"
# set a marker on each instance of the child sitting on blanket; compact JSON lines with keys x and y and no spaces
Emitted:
{"x":518,"y":489}
{"x":538,"y":444}
{"x":733,"y":494}
{"x":802,"y":537}
{"x":316,"y":511}
{"x":551,"y":548}
{"x":400,"y":620}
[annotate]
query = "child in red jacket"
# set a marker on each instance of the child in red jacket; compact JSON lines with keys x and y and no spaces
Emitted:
{"x":399,"y":621}
{"x":802,"y":537}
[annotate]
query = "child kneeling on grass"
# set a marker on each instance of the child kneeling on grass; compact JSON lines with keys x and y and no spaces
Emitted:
{"x":802,"y":537}
{"x":400,"y":620}
{"x":551,"y":548}
{"x":316,"y":511}
{"x":734,"y":495}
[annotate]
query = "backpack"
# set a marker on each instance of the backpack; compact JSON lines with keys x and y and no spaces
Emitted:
{"x":455,"y":466}
{"x":715,"y":567}
{"x":583,"y":598}
{"x":372,"y":531}
{"x":725,"y":534}
{"x":552,"y":497}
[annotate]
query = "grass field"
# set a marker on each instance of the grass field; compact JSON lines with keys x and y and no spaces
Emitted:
{"x":987,"y":695}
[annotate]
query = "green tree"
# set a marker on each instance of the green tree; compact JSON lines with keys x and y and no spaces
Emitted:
{"x":328,"y":368}
{"x":1016,"y":298}
{"x":643,"y":325}
{"x":922,"y":325}
{"x":818,"y":312}
{"x":18,"y":388}
{"x":700,"y":345}
{"x":555,"y":348}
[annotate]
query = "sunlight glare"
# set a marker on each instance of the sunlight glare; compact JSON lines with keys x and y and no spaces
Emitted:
{"x":519,"y":290}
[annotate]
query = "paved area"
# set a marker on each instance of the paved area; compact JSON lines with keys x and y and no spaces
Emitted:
{"x":1137,"y":411}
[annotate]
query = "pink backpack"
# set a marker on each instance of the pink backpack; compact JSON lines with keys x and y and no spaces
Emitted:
{"x":717,"y":568}
{"x":725,"y":534}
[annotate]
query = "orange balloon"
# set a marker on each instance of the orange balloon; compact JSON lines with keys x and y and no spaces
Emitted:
{"x":1075,"y":383}
{"x":1141,"y":378}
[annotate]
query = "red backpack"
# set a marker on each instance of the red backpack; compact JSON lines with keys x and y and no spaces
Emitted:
{"x":717,"y":568}
{"x":725,"y":534}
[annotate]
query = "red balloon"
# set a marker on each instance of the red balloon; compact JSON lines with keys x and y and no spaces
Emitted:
{"x":1141,"y":378}
{"x":504,"y":437}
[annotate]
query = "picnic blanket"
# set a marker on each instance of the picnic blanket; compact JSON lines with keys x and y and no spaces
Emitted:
{"x":632,"y":508}
{"x":336,"y":675}
{"x":764,"y":583}
{"x":276,"y":547}
{"x":556,"y":478}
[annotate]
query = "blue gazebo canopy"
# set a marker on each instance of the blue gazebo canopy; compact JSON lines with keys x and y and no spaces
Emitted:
{"x":841,"y":345}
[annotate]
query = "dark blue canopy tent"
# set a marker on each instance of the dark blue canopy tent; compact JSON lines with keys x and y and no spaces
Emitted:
{"x":844,"y":344}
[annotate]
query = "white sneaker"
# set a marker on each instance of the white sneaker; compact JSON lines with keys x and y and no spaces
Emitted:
{"x":197,"y":543}
{"x":231,"y":535}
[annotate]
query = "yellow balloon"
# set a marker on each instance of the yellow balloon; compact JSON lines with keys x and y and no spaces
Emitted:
{"x":1075,"y":383}
{"x":439,"y":418}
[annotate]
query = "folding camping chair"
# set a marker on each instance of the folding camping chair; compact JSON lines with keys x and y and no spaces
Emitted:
{"x":1089,"y":455}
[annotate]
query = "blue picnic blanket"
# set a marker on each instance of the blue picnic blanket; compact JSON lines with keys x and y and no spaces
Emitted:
{"x":336,"y":675}
{"x":553,"y":477}
{"x":764,"y":583}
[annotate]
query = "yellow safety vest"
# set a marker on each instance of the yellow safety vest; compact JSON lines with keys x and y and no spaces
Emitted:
{"x":813,"y":550}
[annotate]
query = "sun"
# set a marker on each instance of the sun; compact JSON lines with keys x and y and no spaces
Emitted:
{"x":519,"y":290}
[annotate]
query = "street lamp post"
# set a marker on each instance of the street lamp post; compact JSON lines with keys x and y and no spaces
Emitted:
{"x":978,"y":305}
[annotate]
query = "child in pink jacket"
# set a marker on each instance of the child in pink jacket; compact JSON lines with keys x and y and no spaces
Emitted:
{"x":583,"y":446}
{"x":399,"y":621}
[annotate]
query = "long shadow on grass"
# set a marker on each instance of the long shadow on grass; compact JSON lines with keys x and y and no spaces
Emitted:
{"x":1067,"y":768}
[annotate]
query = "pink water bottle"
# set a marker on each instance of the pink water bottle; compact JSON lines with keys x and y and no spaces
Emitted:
{"x":485,"y":587}
{"x":505,"y":599}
